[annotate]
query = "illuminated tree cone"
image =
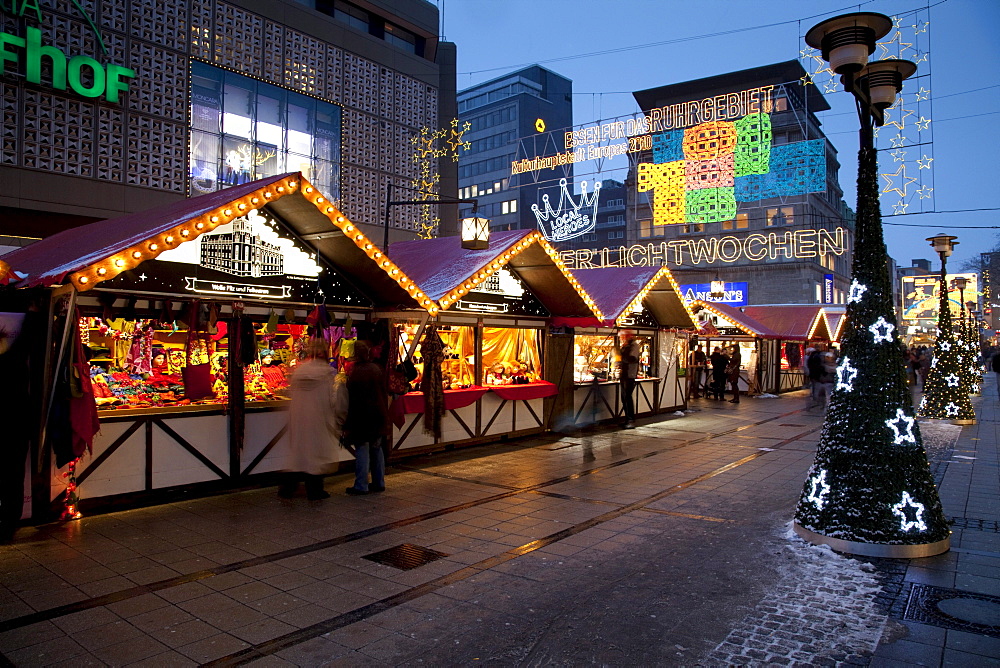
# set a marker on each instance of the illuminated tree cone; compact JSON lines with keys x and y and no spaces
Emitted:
{"x":871,"y":483}
{"x":972,"y":372}
{"x":946,"y":392}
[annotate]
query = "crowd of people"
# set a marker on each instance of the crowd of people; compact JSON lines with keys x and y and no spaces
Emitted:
{"x":711,"y":373}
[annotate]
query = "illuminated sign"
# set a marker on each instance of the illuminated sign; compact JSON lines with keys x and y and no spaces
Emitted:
{"x":539,"y":125}
{"x":570,"y":219}
{"x":83,"y":75}
{"x":921,"y":296}
{"x":827,"y":288}
{"x":753,"y":247}
{"x":734,"y":294}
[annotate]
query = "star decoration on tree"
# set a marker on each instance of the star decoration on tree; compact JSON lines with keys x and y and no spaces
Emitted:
{"x":908,"y":508}
{"x":819,"y":489}
{"x":945,"y":345}
{"x":879,"y":327}
{"x":951,"y":410}
{"x":952,"y":380}
{"x":900,"y":186}
{"x":902,"y":434}
{"x":934,"y":362}
{"x":925,"y":162}
{"x":857,"y":289}
{"x":846,"y":375}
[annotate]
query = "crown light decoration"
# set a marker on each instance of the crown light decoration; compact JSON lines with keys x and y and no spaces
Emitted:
{"x":570,"y":219}
{"x":906,"y":141}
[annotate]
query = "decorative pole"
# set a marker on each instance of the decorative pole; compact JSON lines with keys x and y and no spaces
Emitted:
{"x":870,"y":489}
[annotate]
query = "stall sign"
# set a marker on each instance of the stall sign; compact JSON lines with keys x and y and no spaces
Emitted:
{"x":730,"y":331}
{"x":827,"y":288}
{"x":504,"y":292}
{"x":734,"y":294}
{"x":82,"y":74}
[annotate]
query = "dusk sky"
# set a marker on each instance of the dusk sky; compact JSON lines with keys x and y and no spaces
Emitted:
{"x":611,"y":49}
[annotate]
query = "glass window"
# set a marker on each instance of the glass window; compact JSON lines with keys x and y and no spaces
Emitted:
{"x":237,"y":105}
{"x":204,"y":162}
{"x":270,"y":110}
{"x":784,"y":215}
{"x":299,"y":135}
{"x":510,"y":355}
{"x":459,"y":366}
{"x":645,"y":228}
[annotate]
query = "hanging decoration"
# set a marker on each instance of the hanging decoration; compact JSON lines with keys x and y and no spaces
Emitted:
{"x":429,"y":146}
{"x":882,"y":330}
{"x":901,"y":435}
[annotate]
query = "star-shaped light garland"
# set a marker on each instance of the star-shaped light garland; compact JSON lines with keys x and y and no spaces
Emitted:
{"x":952,"y":380}
{"x":846,"y":375}
{"x":906,"y":524}
{"x":819,"y":490}
{"x":878,"y":327}
{"x":857,"y":289}
{"x":951,"y":410}
{"x":896,"y":424}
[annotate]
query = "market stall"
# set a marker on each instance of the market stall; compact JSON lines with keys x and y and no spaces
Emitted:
{"x":495,"y":304}
{"x":186,"y":321}
{"x":798,"y":326}
{"x":724,"y":326}
{"x":647,"y":301}
{"x":836,"y":318}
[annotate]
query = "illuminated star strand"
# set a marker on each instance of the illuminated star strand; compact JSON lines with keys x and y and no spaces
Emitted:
{"x":906,"y":524}
{"x":819,"y":490}
{"x":882,"y":325}
{"x":857,"y":289}
{"x":902,"y":435}
{"x":846,"y":375}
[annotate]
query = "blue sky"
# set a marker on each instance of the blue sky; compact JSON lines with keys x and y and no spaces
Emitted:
{"x":494,"y":37}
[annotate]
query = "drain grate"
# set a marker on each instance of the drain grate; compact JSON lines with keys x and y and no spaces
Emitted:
{"x":976,"y":524}
{"x":405,"y":556}
{"x":926,"y":602}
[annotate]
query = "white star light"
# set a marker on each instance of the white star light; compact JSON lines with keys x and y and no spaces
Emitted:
{"x":933,"y":362}
{"x":951,"y":410}
{"x":924,"y":192}
{"x":899,"y":208}
{"x":952,"y":380}
{"x":898,"y":155}
{"x":925,"y":162}
{"x":896,"y":423}
{"x":923,"y":123}
{"x":905,"y":523}
{"x":945,"y":345}
{"x":880,"y":326}
{"x":819,"y":490}
{"x":857,"y":289}
{"x":846,"y":375}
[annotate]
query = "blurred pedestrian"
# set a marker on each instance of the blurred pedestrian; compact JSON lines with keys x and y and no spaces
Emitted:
{"x":367,"y":426}
{"x":315,"y":422}
{"x":719,"y":363}
{"x":628,"y":370}
{"x":733,"y":373}
{"x":814,"y":365}
{"x":827,"y":377}
{"x":995,"y":365}
{"x":697,"y":367}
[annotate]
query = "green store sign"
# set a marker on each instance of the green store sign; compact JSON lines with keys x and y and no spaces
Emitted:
{"x":83,"y":75}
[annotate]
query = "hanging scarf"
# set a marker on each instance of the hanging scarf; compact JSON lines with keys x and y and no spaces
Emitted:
{"x":432,"y":349}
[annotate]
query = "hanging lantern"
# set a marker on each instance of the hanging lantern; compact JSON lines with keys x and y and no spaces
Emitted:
{"x":718,"y":288}
{"x":475,"y":233}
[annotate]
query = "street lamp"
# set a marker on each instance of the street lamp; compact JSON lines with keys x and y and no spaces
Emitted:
{"x":438,"y":199}
{"x":717,"y":288}
{"x":475,"y":232}
{"x":869,"y":490}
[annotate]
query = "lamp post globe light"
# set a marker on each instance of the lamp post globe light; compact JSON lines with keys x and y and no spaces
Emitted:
{"x":946,"y":391}
{"x":870,"y":489}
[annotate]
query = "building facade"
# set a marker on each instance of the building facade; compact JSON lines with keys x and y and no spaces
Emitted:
{"x":740,"y":183}
{"x":115,"y":106}
{"x":512,"y":117}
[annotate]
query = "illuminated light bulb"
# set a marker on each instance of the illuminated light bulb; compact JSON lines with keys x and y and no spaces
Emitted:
{"x":468,"y":287}
{"x":348,"y":228}
{"x":154,"y":247}
{"x":394,"y":272}
{"x":385,"y":263}
{"x":280,"y":189}
{"x":376,"y":255}
{"x":199,"y":225}
{"x":119,"y":263}
{"x":185,"y":233}
{"x":254,"y":200}
{"x":309,"y":189}
{"x":241,"y":206}
{"x":136,"y":254}
{"x":320,"y":200}
{"x":227,"y":212}
{"x":368,"y":246}
{"x":101,"y":271}
{"x":292,"y":184}
{"x":169,"y":239}
{"x":340,"y":219}
{"x":359,"y":237}
{"x":84,"y":279}
{"x":268,"y":195}
{"x":329,"y":209}
{"x":427,"y":302}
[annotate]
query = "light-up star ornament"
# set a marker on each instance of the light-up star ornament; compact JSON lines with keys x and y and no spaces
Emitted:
{"x":846,"y":375}
{"x":917,"y":511}
{"x":952,"y":380}
{"x":819,"y":490}
{"x":857,"y":289}
{"x":945,"y":345}
{"x":951,"y":410}
{"x":879,"y":327}
{"x":902,"y":434}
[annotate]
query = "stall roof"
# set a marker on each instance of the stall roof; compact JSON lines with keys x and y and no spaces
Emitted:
{"x":836,"y":317}
{"x":618,"y":290}
{"x":445,"y":271}
{"x":736,"y":316}
{"x":93,"y":253}
{"x":792,"y":322}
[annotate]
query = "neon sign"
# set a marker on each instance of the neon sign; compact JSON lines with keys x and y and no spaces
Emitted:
{"x":728,"y":249}
{"x":568,"y":222}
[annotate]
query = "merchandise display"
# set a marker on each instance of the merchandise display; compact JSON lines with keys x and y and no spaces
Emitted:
{"x":596,"y":357}
{"x":510,"y":356}
{"x":458,"y":370}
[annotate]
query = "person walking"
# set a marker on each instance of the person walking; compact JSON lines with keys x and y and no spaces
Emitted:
{"x":733,"y":373}
{"x":995,"y":366}
{"x":828,"y":375}
{"x":628,"y":370}
{"x":315,"y":423}
{"x":367,"y":425}
{"x":719,"y":363}
{"x":697,"y":371}
{"x":814,"y":366}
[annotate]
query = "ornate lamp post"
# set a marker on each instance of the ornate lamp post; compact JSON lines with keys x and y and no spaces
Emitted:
{"x":869,"y":490}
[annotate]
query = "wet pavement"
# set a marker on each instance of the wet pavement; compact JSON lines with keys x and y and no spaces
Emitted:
{"x":668,"y":544}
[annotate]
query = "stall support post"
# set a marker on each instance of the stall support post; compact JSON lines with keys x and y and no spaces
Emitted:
{"x":478,"y":370}
{"x":237,"y":397}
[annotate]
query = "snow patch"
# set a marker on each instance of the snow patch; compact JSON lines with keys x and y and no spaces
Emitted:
{"x":765,"y":395}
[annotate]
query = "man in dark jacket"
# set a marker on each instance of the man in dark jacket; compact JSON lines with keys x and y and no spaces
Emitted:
{"x":367,"y":421}
{"x":628,"y":370}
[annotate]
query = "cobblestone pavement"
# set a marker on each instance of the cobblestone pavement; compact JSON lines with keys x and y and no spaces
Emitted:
{"x":663,"y":545}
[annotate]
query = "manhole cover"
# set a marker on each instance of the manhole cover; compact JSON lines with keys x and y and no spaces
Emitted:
{"x":954,"y":609}
{"x":405,"y":556}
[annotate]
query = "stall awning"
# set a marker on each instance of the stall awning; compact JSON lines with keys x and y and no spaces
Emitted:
{"x":619,"y":290}
{"x":792,"y":322}
{"x":91,"y":254}
{"x":836,"y":317}
{"x":737,"y":317}
{"x":445,"y":271}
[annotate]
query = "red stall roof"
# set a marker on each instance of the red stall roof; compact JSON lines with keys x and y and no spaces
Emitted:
{"x":617,"y":289}
{"x":747,"y":323}
{"x":93,"y":253}
{"x":792,"y":322}
{"x":445,"y":271}
{"x":836,"y":317}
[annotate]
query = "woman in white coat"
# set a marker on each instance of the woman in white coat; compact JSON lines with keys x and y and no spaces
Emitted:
{"x":315,"y":422}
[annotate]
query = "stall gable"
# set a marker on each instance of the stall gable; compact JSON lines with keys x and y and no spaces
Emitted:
{"x":621,"y":292}
{"x":792,"y":322}
{"x":738,"y":319}
{"x":98,"y":252}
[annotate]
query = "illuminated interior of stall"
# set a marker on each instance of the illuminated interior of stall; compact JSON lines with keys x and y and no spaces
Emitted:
{"x":458,"y":369}
{"x":792,"y":353}
{"x":510,"y":355}
{"x":597,"y":355}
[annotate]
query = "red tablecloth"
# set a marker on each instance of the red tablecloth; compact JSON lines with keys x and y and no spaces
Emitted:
{"x":414,"y":401}
{"x":536,"y":390}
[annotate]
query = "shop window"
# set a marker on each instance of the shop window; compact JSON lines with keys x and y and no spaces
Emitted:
{"x":511,"y":355}
{"x":596,"y":356}
{"x":459,"y":366}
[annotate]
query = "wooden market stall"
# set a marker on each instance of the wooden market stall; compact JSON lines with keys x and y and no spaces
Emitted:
{"x":647,"y":301}
{"x":799,"y":326}
{"x":495,"y":305}
{"x":725,"y":326}
{"x":836,"y":318}
{"x":185,"y":320}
